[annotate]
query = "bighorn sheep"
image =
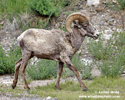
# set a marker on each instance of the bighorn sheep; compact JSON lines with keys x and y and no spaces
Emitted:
{"x":55,"y":45}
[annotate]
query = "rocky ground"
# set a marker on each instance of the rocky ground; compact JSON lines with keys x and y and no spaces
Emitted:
{"x":104,"y":20}
{"x":7,"y":80}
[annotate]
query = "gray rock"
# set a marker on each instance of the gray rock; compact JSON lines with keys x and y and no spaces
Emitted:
{"x":8,"y":77}
{"x":123,"y":72}
{"x":111,"y":20}
{"x":101,"y":23}
{"x":93,"y":2}
{"x":107,"y":36}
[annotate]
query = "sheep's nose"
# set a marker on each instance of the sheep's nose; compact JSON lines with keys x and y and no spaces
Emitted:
{"x":97,"y":35}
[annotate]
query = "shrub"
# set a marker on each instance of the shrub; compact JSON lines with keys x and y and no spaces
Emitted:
{"x":76,"y":62}
{"x":3,"y":61}
{"x":86,"y":71}
{"x":46,"y":7}
{"x":62,"y":3}
{"x":112,"y":56}
{"x":117,"y":7}
{"x":13,"y":55}
{"x":98,"y":51}
{"x":112,"y":69}
{"x":122,"y":4}
{"x":7,"y":60}
{"x":82,"y":67}
{"x":49,"y":7}
{"x":43,"y":69}
{"x":66,"y":2}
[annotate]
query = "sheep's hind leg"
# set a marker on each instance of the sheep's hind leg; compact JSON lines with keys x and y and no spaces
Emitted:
{"x":60,"y":68}
{"x":17,"y":66}
{"x":69,"y":64}
{"x":25,"y":58}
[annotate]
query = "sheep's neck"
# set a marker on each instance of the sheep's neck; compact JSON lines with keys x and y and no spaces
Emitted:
{"x":76,"y":39}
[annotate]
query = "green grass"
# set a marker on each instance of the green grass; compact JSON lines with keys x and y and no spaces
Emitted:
{"x":14,"y":6}
{"x":101,"y":86}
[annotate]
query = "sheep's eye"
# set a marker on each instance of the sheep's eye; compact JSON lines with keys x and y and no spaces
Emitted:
{"x":85,"y":24}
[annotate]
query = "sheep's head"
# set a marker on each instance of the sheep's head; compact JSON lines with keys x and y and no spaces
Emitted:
{"x":81,"y":21}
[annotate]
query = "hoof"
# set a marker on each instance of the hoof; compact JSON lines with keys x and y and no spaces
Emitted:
{"x":85,"y":89}
{"x":13,"y":87}
{"x":27,"y":88}
{"x":58,"y":87}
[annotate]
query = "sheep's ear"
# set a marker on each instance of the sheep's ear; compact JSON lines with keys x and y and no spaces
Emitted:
{"x":76,"y":23}
{"x":79,"y":26}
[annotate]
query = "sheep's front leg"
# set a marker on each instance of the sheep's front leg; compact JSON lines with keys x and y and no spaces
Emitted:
{"x":60,"y":68}
{"x":69,"y":64}
{"x":17,"y":66}
{"x":75,"y":71}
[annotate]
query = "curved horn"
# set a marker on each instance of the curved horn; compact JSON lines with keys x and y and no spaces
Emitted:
{"x":82,"y":16}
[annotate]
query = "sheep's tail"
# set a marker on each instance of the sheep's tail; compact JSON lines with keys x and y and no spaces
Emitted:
{"x":19,"y":38}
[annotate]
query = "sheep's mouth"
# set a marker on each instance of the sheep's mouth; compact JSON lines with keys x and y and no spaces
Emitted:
{"x":95,"y":37}
{"x":92,"y":36}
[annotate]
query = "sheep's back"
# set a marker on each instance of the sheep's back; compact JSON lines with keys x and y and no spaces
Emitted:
{"x":45,"y":41}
